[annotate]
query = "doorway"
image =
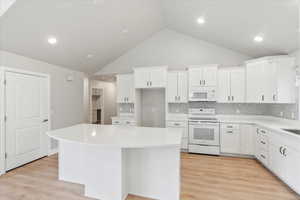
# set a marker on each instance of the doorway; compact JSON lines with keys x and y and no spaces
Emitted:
{"x":97,"y":98}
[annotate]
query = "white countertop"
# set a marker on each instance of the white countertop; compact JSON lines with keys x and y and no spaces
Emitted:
{"x":118,"y":136}
{"x":272,"y":123}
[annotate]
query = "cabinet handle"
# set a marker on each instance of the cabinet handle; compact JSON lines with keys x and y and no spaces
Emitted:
{"x":232,"y":98}
{"x":228,"y":98}
{"x":263,"y":97}
{"x":284,"y":152}
{"x":150,"y":83}
{"x":264,"y":157}
{"x":229,"y":131}
{"x":262,"y":142}
{"x":280,"y":150}
{"x":178,"y":98}
{"x":274,"y":97}
{"x":204,"y":82}
{"x":147,"y":83}
{"x":229,"y":126}
{"x":200,"y":82}
{"x":176,"y":124}
{"x":262,"y":131}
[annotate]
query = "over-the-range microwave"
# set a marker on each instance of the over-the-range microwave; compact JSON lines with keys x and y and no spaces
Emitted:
{"x":202,"y":94}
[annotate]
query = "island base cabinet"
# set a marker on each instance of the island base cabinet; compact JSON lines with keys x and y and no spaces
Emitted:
{"x":111,"y":173}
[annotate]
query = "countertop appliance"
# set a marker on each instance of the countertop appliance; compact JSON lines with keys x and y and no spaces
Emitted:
{"x":202,"y":94}
{"x":204,"y":131}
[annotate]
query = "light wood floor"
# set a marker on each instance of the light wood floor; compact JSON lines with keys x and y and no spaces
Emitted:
{"x":203,"y":178}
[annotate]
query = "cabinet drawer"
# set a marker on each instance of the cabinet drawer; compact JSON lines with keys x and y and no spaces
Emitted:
{"x":262,"y":131}
{"x":263,"y":157}
{"x":230,"y":126}
{"x":176,"y":124}
{"x":263,"y":142}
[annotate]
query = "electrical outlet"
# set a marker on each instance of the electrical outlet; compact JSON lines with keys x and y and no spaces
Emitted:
{"x":281,"y":114}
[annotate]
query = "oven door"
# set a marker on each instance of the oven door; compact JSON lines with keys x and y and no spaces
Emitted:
{"x":204,"y":133}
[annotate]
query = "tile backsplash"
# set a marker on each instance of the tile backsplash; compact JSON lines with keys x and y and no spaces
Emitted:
{"x":288,"y":111}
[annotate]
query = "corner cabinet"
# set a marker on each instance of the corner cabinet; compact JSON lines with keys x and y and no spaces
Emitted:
{"x":203,"y":76}
{"x":231,"y":85}
{"x":271,"y":80}
{"x":125,"y":88}
{"x":177,"y":87}
{"x":150,"y":77}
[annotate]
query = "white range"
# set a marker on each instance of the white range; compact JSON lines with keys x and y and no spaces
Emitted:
{"x":114,"y":161}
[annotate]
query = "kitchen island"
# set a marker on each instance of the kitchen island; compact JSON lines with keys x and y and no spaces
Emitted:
{"x":114,"y":161}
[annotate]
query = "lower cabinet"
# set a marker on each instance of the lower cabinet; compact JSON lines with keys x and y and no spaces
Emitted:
{"x":237,"y":139}
{"x":184,"y":127}
{"x":285,"y":160}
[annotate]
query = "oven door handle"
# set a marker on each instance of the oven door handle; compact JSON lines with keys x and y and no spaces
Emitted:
{"x":203,"y":122}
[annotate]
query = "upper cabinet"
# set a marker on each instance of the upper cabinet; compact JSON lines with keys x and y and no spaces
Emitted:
{"x":231,"y":85}
{"x":125,"y":88}
{"x":271,"y":80}
{"x":177,"y":87}
{"x":203,"y":76}
{"x":150,"y":77}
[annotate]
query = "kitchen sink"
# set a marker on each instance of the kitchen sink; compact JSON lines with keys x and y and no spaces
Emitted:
{"x":295,"y":131}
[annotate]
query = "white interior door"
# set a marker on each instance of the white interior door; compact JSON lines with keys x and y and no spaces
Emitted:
{"x":27,"y":118}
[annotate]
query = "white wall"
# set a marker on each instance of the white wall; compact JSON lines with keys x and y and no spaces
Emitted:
{"x":67,"y":98}
{"x":174,"y":49}
{"x":110,"y":105}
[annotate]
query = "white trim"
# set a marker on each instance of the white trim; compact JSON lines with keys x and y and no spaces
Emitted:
{"x":3,"y":70}
{"x":52,"y":151}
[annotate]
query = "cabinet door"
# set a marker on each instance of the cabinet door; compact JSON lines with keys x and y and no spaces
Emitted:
{"x":141,"y":78}
{"x":276,"y":159}
{"x":247,"y":139}
{"x":195,"y":77}
{"x":254,"y":86}
{"x":158,"y":77}
{"x":286,"y":79}
{"x":182,"y":87}
{"x":230,"y":141}
{"x":172,"y":87}
{"x":269,"y":83}
{"x":224,"y":95}
{"x":210,"y":75}
{"x":125,"y":88}
{"x":237,"y":84}
{"x":292,"y":157}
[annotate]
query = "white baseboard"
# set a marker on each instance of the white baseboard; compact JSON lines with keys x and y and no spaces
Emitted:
{"x":52,"y":151}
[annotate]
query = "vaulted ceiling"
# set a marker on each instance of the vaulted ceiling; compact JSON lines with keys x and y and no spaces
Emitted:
{"x":92,"y":33}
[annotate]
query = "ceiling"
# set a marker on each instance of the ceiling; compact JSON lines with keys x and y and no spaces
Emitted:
{"x":106,"y":29}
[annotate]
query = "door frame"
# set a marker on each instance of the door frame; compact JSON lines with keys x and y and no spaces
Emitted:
{"x":91,"y":103}
{"x":3,"y":70}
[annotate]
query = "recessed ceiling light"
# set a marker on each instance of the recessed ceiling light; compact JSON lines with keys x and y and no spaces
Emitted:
{"x":258,"y":39}
{"x":201,"y":20}
{"x":52,"y":40}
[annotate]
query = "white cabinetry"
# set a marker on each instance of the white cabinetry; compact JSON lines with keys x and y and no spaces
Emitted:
{"x":237,"y":139}
{"x":285,"y":159}
{"x":271,"y":80}
{"x":231,"y":85}
{"x":184,"y":127}
{"x":203,"y":76}
{"x":262,"y":146}
{"x":177,"y":87}
{"x":125,"y":88}
{"x":150,"y":77}
{"x":230,"y":138}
